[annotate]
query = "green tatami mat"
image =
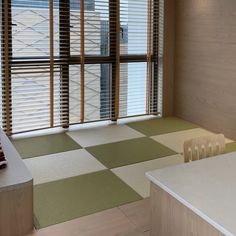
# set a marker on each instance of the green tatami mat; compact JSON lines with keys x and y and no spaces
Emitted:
{"x":64,"y":200}
{"x":231,"y":147}
{"x":128,"y":152}
{"x":161,"y":126}
{"x":45,"y":145}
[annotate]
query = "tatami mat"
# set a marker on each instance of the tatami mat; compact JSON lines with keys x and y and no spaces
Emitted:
{"x":134,"y":175}
{"x":128,"y":152}
{"x":63,"y":200}
{"x":176,"y":140}
{"x":231,"y":147}
{"x":161,"y":126}
{"x":62,"y":165}
{"x":45,"y":145}
{"x":71,"y":182}
{"x":103,"y":135}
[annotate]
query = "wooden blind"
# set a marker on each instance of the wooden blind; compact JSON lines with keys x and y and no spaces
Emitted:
{"x":68,"y":62}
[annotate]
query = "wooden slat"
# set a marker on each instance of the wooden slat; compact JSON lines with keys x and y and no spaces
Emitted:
{"x":117,"y":78}
{"x":76,"y":60}
{"x":155,"y":42}
{"x":64,"y":27}
{"x":115,"y":55}
{"x":51,"y":64}
{"x":203,"y":147}
{"x":82,"y":65}
{"x":149,"y":55}
{"x":6,"y":67}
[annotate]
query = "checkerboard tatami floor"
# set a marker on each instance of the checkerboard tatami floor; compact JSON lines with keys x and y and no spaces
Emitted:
{"x":86,"y":171}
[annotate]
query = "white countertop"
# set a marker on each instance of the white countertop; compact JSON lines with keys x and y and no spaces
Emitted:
{"x":16,"y":174}
{"x":207,"y":187}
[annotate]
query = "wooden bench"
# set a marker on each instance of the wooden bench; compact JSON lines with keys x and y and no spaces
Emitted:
{"x":16,"y":193}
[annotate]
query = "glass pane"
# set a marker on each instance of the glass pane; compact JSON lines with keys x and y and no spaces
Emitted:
{"x":96,"y":27}
{"x":30,"y":28}
{"x":74,"y":29}
{"x":133,"y":26}
{"x":97,"y":92}
{"x":133,"y":89}
{"x":74,"y":91}
{"x":30,"y":98}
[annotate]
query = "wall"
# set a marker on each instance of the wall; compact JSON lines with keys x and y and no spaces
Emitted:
{"x":168,"y":56}
{"x":205,"y":64}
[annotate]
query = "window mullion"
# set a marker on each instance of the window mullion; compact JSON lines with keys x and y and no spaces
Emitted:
{"x":149,"y":55}
{"x":64,"y":32}
{"x":154,"y":88}
{"x":6,"y":66}
{"x":82,"y":61}
{"x":115,"y":55}
{"x":51,"y":26}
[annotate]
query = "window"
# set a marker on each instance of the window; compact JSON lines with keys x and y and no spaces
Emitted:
{"x":68,"y":62}
{"x":39,"y":4}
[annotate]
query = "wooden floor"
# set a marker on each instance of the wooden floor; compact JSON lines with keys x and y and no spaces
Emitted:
{"x":129,"y":220}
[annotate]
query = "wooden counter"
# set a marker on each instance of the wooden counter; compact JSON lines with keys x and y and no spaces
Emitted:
{"x":197,"y":198}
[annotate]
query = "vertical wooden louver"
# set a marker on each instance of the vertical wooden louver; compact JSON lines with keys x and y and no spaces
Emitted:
{"x":155,"y":52}
{"x":64,"y":55}
{"x":67,"y":62}
{"x":82,"y":82}
{"x":6,"y":71}
{"x":115,"y":55}
{"x":149,"y":55}
{"x":51,"y":17}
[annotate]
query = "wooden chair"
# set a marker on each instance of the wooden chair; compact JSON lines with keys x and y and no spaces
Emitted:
{"x":203,"y":147}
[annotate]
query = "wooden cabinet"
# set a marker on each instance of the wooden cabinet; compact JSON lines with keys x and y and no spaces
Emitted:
{"x":171,"y":218}
{"x":16,"y":194}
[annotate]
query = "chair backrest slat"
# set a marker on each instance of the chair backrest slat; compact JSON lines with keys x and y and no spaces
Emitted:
{"x":203,"y":147}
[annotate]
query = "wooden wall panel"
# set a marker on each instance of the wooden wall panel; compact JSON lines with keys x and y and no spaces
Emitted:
{"x":205,"y":64}
{"x":169,"y":217}
{"x":168,"y":58}
{"x":16,"y":214}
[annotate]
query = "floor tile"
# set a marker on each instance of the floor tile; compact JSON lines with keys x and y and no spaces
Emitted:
{"x":45,"y":145}
{"x":159,"y":126}
{"x":128,"y":152}
{"x":110,"y":222}
{"x":139,"y":214}
{"x":231,"y":147}
{"x":62,"y":165}
{"x":102,"y":135}
{"x":134,"y":175}
{"x":67,"y":199}
{"x":175,"y":141}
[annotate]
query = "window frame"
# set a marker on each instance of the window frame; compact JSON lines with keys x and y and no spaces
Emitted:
{"x":65,"y":59}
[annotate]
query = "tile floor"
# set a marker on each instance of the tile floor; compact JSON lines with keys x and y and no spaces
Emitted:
{"x":83,"y":172}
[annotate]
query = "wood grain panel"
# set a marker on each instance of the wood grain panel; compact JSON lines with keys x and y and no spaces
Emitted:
{"x":168,"y":57}
{"x":205,"y":64}
{"x":16,"y":211}
{"x":171,"y":218}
